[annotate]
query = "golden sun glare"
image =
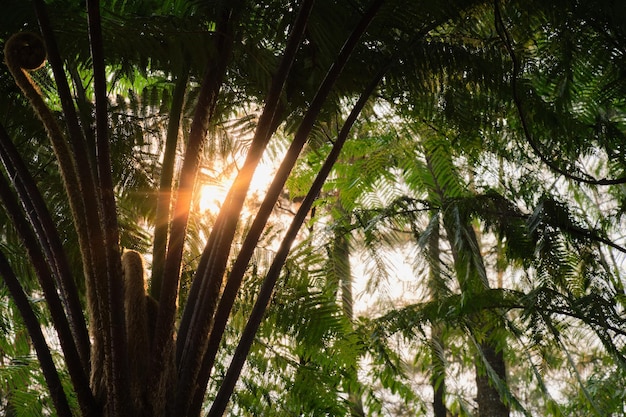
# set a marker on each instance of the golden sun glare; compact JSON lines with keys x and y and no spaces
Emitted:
{"x":212,"y":195}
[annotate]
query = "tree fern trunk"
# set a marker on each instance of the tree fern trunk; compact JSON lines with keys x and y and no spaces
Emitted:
{"x":471,"y":274}
{"x":342,"y":273}
{"x":487,"y":396}
{"x":438,"y":376}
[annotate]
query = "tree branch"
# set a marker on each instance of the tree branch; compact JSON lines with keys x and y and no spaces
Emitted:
{"x":192,"y":341}
{"x":87,"y":214}
{"x":203,"y":115}
{"x":77,"y":139}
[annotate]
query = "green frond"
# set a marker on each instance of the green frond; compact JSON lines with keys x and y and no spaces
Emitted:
{"x":504,"y":218}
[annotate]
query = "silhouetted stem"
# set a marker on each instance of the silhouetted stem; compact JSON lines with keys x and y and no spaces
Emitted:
{"x":63,"y":89}
{"x":58,"y":141}
{"x":87,"y":221}
{"x":203,"y":295}
{"x":508,"y":44}
{"x":204,"y":112}
{"x":49,"y":241}
{"x":236,"y":275}
{"x":267,"y":288}
{"x":115,"y":345}
{"x":77,"y":139}
{"x":85,"y":106}
{"x":42,"y":350}
{"x":164,"y":199}
{"x":78,"y":375}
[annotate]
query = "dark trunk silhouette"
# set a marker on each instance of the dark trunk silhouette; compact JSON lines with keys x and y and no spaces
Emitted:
{"x":472,"y":277}
{"x":342,"y":272}
{"x":487,"y":397}
{"x":437,"y":346}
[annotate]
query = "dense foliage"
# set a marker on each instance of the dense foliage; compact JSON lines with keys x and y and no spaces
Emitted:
{"x":441,"y":235}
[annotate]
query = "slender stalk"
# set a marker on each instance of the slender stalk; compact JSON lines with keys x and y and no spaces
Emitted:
{"x":265,"y":127}
{"x":86,"y":222}
{"x":267,"y":288}
{"x":78,"y":375}
{"x":42,"y":349}
{"x":236,"y":276}
{"x":82,"y":190}
{"x":164,"y":199}
{"x":215,"y":255}
{"x":437,"y":343}
{"x":91,"y":242}
{"x":264,"y":130}
{"x":191,"y":345}
{"x":59,"y":143}
{"x":204,"y":112}
{"x":84,"y":105}
{"x":116,"y":355}
{"x":49,"y":241}
{"x":77,"y":139}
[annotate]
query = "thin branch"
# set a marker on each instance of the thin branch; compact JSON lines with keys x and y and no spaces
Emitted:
{"x":204,"y":112}
{"x":205,"y":108}
{"x":84,"y":196}
{"x":498,"y":300}
{"x":59,"y":143}
{"x":508,"y":44}
{"x":88,"y":219}
{"x":77,"y":139}
{"x":213,"y":262}
{"x":90,"y":240}
{"x":42,"y":349}
{"x":592,"y":235}
{"x":84,"y":105}
{"x":203,"y":115}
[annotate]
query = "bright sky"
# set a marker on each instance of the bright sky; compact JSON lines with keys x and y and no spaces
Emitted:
{"x":212,"y":195}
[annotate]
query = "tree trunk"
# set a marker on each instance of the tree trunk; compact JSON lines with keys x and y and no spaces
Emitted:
{"x":471,"y":274}
{"x":438,"y":376}
{"x":487,"y":397}
{"x":343,"y":274}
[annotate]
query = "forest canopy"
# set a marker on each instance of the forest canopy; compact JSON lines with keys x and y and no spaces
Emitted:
{"x":312,"y":208}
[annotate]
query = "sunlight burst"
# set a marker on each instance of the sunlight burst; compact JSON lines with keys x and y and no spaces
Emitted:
{"x":212,"y":194}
